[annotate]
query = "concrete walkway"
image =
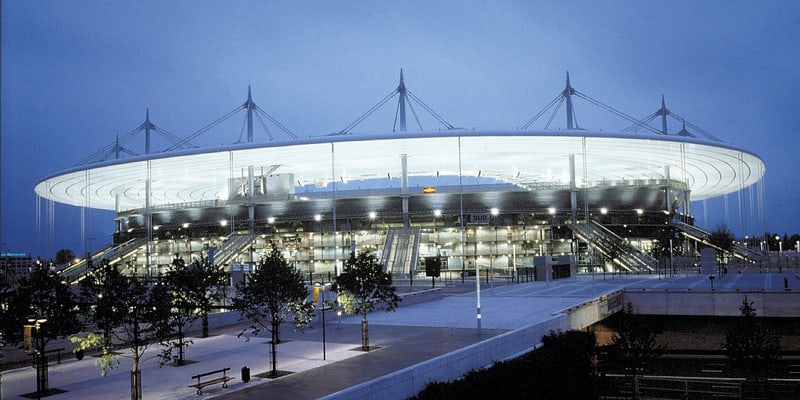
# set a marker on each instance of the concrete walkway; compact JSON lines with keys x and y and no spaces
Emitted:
{"x":412,"y":334}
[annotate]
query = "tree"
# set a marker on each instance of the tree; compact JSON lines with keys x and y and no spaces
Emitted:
{"x":753,"y":347}
{"x":64,"y":256}
{"x":633,"y":346}
{"x":6,"y":290}
{"x":661,"y":249}
{"x":563,"y":368}
{"x":141,"y":320}
{"x":274,"y":293}
{"x":181,"y":309}
{"x":44,"y":301}
{"x":362,"y":286}
{"x":43,"y":295}
{"x":6,"y":320}
{"x":102,"y":299}
{"x":202,"y":284}
{"x":572,"y":354}
{"x":722,"y":240}
{"x":194,"y":289}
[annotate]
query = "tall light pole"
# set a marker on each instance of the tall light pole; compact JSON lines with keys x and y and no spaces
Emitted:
{"x":780,"y":243}
{"x":41,"y":361}
{"x":322,"y":302}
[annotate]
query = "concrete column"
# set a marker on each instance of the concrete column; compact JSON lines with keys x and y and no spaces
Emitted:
{"x":668,"y":190}
{"x":573,"y":191}
{"x":250,"y":207}
{"x":404,"y":188}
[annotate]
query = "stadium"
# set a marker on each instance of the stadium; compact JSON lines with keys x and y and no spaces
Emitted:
{"x":456,"y":203}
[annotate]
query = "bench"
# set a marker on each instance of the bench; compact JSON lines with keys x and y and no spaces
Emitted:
{"x":222,"y":379}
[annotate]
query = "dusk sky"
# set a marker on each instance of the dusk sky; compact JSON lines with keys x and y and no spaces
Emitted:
{"x":77,"y":73}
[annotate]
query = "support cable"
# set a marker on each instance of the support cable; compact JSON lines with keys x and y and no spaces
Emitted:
{"x":263,"y":125}
{"x":206,"y":128}
{"x":555,"y":111}
{"x":275,"y":122}
{"x":369,"y":112}
{"x":645,"y":120}
{"x":429,"y":110}
{"x":616,"y":112}
{"x":414,"y":113}
{"x":557,"y":99}
{"x":695,"y":127}
{"x":241,"y":131}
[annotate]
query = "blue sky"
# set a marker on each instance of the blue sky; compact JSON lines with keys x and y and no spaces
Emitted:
{"x":74,"y":74}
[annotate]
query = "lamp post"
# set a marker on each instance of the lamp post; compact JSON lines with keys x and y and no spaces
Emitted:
{"x":41,"y":362}
{"x":780,"y":244}
{"x":322,"y":302}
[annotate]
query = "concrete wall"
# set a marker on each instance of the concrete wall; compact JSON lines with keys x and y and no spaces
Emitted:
{"x":711,"y":303}
{"x":411,"y":380}
{"x":448,"y":367}
{"x":592,"y":311}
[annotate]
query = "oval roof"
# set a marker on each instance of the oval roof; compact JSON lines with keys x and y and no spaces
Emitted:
{"x":524,"y":158}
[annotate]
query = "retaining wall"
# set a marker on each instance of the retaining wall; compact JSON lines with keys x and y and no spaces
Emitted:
{"x":712,"y":303}
{"x":409,"y":381}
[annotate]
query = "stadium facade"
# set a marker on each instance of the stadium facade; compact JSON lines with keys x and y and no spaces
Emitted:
{"x":495,"y":201}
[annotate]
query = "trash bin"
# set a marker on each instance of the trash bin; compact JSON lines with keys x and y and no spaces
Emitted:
{"x":245,"y":374}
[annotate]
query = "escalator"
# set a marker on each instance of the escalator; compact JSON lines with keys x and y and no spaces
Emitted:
{"x":737,"y":250}
{"x":613,"y":247}
{"x":232,"y":246}
{"x":401,"y":251}
{"x":75,"y":272}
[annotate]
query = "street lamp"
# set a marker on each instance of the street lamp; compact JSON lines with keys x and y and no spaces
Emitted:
{"x":780,"y":244}
{"x":322,"y":302}
{"x":38,"y":347}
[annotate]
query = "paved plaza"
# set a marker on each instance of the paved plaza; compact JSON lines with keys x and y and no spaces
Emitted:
{"x":410,"y":335}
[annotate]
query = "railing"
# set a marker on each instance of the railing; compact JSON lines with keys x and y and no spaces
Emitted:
{"x":612,"y":245}
{"x":75,"y":272}
{"x":737,"y":250}
{"x":233,"y":246}
{"x":400,"y":251}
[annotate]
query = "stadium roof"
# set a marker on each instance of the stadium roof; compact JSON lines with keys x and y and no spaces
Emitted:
{"x":525,"y":158}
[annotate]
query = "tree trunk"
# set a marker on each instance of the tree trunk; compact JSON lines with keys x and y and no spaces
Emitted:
{"x":136,"y":380}
{"x":364,"y":330}
{"x":180,"y":345}
{"x":205,"y":324}
{"x":274,"y":344}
